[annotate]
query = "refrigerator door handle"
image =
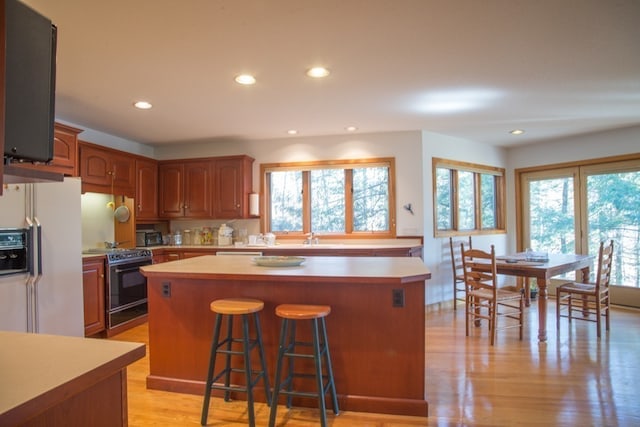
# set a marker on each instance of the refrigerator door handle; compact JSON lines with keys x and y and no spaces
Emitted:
{"x":30,"y":248}
{"x":39,"y":254}
{"x":31,"y":254}
{"x":36,"y":316}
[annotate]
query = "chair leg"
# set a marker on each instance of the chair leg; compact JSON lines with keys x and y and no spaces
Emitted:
{"x":467,"y":315}
{"x":493,"y":307}
{"x":521,"y":318}
{"x":608,"y":312}
{"x":598,"y":316}
{"x":455,"y":294}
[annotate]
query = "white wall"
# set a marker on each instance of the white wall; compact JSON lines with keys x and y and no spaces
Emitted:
{"x":107,"y":140}
{"x":436,"y":250}
{"x":97,"y":220}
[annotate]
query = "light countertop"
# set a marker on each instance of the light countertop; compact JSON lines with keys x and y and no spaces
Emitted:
{"x":32,"y":365}
{"x":313,"y":267}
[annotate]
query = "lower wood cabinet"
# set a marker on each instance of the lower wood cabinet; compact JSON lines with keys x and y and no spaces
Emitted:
{"x":93,"y":286}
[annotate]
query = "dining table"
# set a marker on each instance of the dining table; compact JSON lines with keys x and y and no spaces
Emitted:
{"x":520,"y":265}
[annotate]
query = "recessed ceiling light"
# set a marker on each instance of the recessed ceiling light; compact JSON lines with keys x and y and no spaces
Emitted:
{"x":245,"y":79}
{"x":143,"y":105}
{"x":317,"y":72}
{"x":292,"y":132}
{"x":517,"y":132}
{"x":351,"y":128}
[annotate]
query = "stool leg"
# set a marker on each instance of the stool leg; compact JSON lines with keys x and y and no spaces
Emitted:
{"x":212,"y":364}
{"x":317,"y":358}
{"x":227,"y":377}
{"x":276,"y":387}
{"x":247,"y":368}
{"x":265,"y":376}
{"x":327,"y":354}
{"x":291,"y":348}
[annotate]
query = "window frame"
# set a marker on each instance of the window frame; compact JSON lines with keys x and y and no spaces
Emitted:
{"x":347,"y":165}
{"x":478,"y":170}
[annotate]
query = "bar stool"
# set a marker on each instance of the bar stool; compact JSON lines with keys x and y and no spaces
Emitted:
{"x":231,"y":307}
{"x":290,"y":314}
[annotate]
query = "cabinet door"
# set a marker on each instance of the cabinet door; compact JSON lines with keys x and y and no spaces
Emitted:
{"x":65,"y":149}
{"x":197,"y":189}
{"x":146,"y":189}
{"x":123,"y":170}
{"x":170,"y":184}
{"x":94,"y":296}
{"x":94,"y":166}
{"x":233,"y":183}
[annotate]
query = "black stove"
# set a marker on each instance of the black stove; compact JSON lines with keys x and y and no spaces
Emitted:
{"x":126,"y":287}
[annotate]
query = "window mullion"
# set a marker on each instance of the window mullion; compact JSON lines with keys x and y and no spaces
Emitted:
{"x":454,"y":199}
{"x":477,"y":197}
{"x":306,"y":202}
{"x":348,"y":198}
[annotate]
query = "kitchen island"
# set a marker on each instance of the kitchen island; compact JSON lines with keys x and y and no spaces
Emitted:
{"x":57,"y":380}
{"x":376,"y":327}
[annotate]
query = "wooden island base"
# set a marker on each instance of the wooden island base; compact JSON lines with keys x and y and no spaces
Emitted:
{"x":377,"y":349}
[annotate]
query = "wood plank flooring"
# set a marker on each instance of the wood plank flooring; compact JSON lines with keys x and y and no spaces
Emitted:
{"x":574,"y":379}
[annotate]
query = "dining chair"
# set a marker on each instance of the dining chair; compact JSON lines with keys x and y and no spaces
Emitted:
{"x":592,"y":298}
{"x":456,"y":265}
{"x":484,"y":300}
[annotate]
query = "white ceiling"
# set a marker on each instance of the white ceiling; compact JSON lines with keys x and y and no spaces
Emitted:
{"x":467,"y":68}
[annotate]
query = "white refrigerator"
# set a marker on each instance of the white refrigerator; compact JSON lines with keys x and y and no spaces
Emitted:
{"x":54,"y":303}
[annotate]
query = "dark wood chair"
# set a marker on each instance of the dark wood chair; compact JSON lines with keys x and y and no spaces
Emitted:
{"x":484,"y":300}
{"x":457,"y":267}
{"x":588,"y":301}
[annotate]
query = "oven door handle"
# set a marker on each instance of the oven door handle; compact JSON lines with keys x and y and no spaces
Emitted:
{"x":126,"y":270}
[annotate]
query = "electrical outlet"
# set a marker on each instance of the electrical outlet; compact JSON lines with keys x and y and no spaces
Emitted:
{"x":397,"y":297}
{"x":166,"y":289}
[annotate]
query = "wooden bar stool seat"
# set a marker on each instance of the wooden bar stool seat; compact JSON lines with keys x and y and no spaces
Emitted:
{"x":290,"y":349}
{"x":245,"y":308}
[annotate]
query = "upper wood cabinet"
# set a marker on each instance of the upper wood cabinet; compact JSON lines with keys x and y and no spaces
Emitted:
{"x":65,"y":152}
{"x":146,"y":189}
{"x":185,"y":189}
{"x":104,"y":170}
{"x":233,"y":181}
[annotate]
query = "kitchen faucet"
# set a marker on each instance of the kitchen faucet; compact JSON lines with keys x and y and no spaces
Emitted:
{"x":311,"y":239}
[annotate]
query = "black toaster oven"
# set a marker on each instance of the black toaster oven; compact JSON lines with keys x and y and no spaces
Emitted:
{"x":148,"y":238}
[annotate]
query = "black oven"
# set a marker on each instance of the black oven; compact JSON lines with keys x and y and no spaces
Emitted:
{"x":127,"y":293}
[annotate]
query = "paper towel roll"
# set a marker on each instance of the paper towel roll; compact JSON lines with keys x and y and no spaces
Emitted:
{"x":254,"y":204}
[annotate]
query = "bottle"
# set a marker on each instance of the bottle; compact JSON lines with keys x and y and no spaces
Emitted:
{"x":225,"y":235}
{"x":177,"y":239}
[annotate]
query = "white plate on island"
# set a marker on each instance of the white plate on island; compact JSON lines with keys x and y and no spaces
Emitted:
{"x":279,"y":261}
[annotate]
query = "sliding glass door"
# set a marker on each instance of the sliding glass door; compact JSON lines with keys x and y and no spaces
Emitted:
{"x":573,"y":209}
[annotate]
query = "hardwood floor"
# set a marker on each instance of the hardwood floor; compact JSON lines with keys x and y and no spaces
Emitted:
{"x":572,"y":380}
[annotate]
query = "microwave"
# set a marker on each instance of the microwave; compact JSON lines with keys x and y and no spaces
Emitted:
{"x":148,"y":238}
